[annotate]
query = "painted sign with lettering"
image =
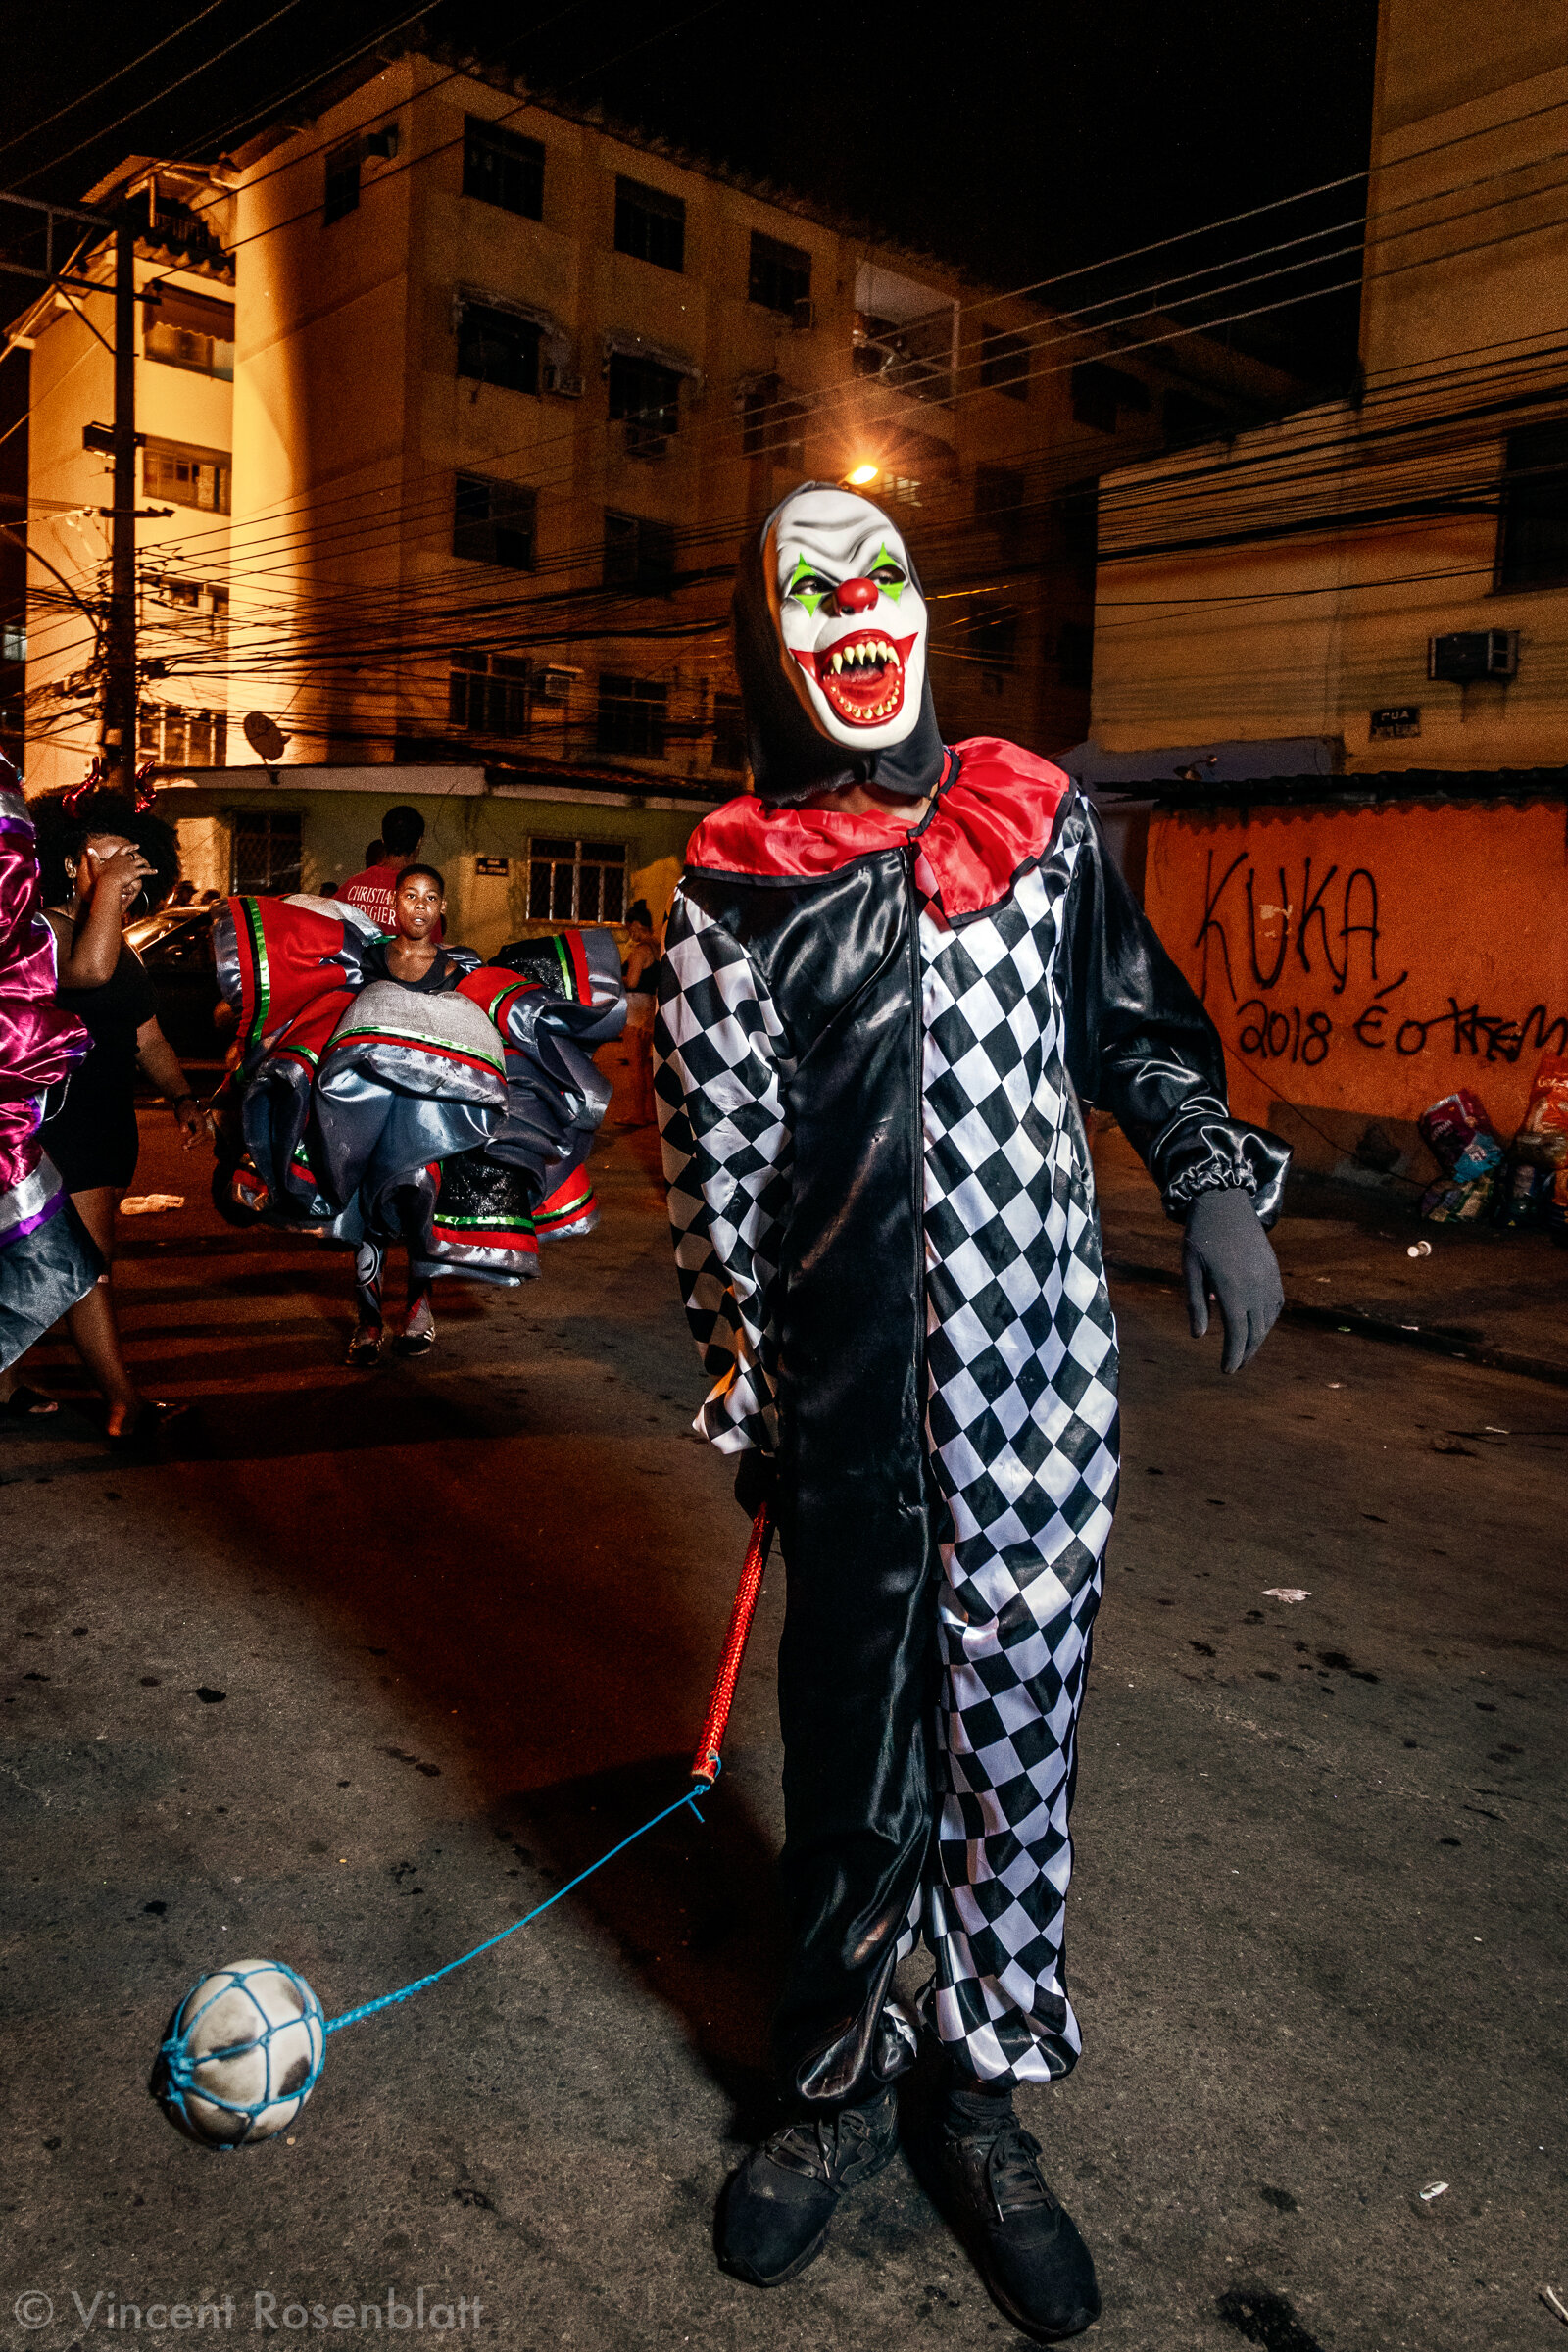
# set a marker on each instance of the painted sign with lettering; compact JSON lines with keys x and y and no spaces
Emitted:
{"x":1371,"y":960}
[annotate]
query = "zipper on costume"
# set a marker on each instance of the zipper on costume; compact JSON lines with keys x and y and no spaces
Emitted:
{"x":917,"y":1048}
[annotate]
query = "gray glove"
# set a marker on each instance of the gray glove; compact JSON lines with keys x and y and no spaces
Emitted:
{"x":1226,"y":1253}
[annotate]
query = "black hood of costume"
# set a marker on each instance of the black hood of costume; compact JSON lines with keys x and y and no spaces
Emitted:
{"x":791,"y":757}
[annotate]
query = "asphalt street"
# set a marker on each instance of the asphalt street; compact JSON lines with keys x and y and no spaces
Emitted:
{"x":389,"y":1657}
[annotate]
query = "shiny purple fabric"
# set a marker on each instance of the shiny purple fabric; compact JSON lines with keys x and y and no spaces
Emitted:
{"x":39,"y":1045}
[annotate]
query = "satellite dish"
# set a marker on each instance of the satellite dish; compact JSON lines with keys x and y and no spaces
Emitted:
{"x":265,"y":736}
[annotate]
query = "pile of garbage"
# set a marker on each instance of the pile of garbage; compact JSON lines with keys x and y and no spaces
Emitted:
{"x":1524,"y":1182}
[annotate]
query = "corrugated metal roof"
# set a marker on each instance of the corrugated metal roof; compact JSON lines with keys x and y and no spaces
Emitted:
{"x":1436,"y":787}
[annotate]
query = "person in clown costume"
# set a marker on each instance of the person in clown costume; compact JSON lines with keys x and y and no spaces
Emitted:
{"x":894,"y":973}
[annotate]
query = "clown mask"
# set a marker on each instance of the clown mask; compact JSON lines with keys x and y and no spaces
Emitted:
{"x":852,"y":619}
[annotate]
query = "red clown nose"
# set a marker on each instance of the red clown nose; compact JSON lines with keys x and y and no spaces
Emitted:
{"x":855,"y":596}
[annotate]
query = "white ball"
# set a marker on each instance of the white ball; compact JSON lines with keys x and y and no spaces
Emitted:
{"x":241,"y":2055}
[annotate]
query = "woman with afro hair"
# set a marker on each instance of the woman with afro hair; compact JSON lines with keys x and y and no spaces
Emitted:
{"x":103,"y":859}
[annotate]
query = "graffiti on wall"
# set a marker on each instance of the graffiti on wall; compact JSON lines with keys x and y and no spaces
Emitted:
{"x":1302,"y":960}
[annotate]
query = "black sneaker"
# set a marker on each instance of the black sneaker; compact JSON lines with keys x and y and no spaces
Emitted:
{"x":1026,"y":2248}
{"x":774,"y":2215}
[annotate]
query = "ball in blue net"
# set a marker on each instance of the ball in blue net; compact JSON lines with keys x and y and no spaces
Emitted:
{"x":241,"y":2054}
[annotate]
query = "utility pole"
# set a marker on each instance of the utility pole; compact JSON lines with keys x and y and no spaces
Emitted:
{"x":119,"y":645}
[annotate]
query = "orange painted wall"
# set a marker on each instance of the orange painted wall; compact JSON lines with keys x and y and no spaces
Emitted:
{"x":1372,"y":960}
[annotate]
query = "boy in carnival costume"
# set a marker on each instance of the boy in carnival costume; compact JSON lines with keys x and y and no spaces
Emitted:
{"x":891,"y":978}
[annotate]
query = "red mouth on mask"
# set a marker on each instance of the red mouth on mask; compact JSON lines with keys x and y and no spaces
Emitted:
{"x":863,"y":676}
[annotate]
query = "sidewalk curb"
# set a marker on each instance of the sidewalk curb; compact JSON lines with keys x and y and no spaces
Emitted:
{"x":1434,"y":1340}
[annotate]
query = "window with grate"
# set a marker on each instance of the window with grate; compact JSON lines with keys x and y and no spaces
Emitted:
{"x":173,"y":736}
{"x":644,"y":393}
{"x":631,"y":716}
{"x":1533,"y":530}
{"x":183,"y":476}
{"x":497,"y":347}
{"x":265,"y":850}
{"x":729,"y":732}
{"x":572,"y":881}
{"x":639,"y":554}
{"x":1100,"y":392}
{"x":772,"y":422}
{"x":1075,"y":655}
{"x":342,"y":182}
{"x":780,"y":275}
{"x":487,"y":694}
{"x":189,"y":330}
{"x":493,"y":522}
{"x":649,"y":226}
{"x":1005,"y":363}
{"x":500,"y":167}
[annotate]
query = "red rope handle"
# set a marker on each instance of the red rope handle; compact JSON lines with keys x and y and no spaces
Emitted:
{"x":704,"y":1764}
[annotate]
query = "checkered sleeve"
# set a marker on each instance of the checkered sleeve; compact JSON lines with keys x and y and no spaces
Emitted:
{"x":719,"y":1074}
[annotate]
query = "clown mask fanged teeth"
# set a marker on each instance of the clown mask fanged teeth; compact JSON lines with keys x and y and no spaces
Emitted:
{"x":851,"y":621}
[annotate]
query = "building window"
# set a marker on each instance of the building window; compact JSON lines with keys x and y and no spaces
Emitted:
{"x":342,"y":182}
{"x":1188,"y":418}
{"x":639,"y":554}
{"x":265,"y":850}
{"x":729,"y":732}
{"x":498,"y":347}
{"x":576,"y":881}
{"x":170,"y":736}
{"x":1533,"y":538}
{"x":487,"y":694}
{"x":631,"y":716}
{"x":780,"y":274}
{"x":14,"y":642}
{"x":1075,"y":655}
{"x":1005,"y":363}
{"x":650,"y":225}
{"x":500,"y":167}
{"x":189,"y":330}
{"x":186,"y":476}
{"x":1098,"y":392}
{"x":772,"y":422}
{"x":202,"y":609}
{"x":644,"y":393}
{"x":493,"y":522}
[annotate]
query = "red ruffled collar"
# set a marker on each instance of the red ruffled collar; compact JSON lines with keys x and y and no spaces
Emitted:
{"x":995,"y":810}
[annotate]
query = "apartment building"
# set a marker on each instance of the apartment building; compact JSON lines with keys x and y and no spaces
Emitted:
{"x":1338,"y":644}
{"x":508,"y":385}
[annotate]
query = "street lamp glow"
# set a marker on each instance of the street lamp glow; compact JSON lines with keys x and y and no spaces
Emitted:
{"x":860,"y":476}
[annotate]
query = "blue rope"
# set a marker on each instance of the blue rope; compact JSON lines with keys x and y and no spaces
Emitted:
{"x":352,"y":2017}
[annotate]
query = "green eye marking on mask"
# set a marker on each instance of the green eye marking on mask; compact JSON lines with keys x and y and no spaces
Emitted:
{"x":892,"y":588}
{"x":805,"y":586}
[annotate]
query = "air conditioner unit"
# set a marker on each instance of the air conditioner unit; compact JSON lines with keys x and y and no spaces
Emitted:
{"x":1472,"y":654}
{"x":553,"y":683}
{"x":564,"y":382}
{"x":803,"y":316}
{"x":382,"y":142}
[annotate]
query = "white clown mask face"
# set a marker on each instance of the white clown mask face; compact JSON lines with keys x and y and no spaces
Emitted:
{"x":852,"y":623}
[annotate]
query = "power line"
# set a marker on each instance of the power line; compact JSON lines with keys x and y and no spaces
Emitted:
{"x":249,"y":35}
{"x":81,"y":98}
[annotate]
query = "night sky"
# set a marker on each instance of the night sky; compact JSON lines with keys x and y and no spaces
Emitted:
{"x":1022,"y":141}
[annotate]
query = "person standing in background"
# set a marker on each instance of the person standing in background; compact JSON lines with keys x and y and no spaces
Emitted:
{"x":638,"y":964}
{"x":373,"y":890}
{"x":101,"y":857}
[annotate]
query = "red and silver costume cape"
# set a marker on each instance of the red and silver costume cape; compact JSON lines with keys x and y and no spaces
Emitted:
{"x":459,"y":1122}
